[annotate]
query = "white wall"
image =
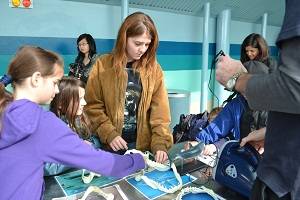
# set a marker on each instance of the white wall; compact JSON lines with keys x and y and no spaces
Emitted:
{"x":240,"y":30}
{"x":58,"y":18}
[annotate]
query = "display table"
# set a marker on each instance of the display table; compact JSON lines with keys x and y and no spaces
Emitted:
{"x":53,"y":190}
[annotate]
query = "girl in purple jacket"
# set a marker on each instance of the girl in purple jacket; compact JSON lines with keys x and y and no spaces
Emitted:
{"x":31,"y":136}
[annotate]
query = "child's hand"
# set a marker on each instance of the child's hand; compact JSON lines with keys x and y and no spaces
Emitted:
{"x":209,"y":150}
{"x":118,"y":143}
{"x":161,"y":156}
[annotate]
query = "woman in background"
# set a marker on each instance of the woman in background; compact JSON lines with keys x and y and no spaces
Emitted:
{"x":237,"y":119}
{"x":255,"y":48}
{"x":85,"y":59}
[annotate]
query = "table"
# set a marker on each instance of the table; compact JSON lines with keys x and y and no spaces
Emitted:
{"x":53,"y":190}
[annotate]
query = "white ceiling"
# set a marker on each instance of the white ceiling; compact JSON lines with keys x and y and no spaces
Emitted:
{"x":241,"y":10}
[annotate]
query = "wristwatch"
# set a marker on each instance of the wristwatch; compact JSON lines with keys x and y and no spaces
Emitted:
{"x":232,"y":81}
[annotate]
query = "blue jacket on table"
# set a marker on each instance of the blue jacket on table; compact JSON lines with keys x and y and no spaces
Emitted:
{"x":227,"y":122}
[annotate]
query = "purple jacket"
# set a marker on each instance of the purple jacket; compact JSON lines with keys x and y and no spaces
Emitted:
{"x":31,"y":136}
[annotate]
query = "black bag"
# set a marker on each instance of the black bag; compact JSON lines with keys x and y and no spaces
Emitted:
{"x":189,"y":126}
{"x":252,"y":120}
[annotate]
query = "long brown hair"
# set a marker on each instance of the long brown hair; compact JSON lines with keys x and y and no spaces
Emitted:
{"x":27,"y":61}
{"x":66,"y":103}
{"x":136,"y":24}
{"x":256,"y":41}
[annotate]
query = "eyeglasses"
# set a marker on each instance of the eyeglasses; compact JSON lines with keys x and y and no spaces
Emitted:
{"x":82,"y":44}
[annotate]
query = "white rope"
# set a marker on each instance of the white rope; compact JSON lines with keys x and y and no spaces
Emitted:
{"x":195,"y":190}
{"x":155,"y":185}
{"x":107,"y":196}
{"x":87,"y":179}
{"x":160,"y":167}
{"x":151,"y":164}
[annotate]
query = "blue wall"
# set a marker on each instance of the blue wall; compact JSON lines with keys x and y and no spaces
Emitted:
{"x":171,"y":55}
{"x":56,"y":24}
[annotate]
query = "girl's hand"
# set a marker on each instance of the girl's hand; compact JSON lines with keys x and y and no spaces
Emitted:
{"x":118,"y":143}
{"x":161,"y":156}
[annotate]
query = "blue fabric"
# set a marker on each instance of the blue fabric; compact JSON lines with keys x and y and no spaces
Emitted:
{"x":227,"y":121}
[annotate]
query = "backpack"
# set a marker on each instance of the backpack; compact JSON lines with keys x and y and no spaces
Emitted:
{"x":252,"y":120}
{"x":189,"y":126}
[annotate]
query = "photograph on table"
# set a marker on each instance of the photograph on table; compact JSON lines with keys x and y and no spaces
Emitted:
{"x":113,"y":192}
{"x":166,"y":178}
{"x":72,"y":183}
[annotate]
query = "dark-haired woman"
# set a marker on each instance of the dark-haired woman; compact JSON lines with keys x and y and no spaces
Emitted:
{"x":85,"y":59}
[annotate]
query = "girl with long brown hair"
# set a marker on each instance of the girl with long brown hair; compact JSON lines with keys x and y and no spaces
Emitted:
{"x":68,"y":105}
{"x":127,"y":101}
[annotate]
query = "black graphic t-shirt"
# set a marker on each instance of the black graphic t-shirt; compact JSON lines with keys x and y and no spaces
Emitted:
{"x":132,"y":98}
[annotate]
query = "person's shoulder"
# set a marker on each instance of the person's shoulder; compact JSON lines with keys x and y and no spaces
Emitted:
{"x":23,"y":108}
{"x":23,"y":113}
{"x":256,"y":67}
{"x":272,"y":64}
{"x":236,"y":106}
{"x":104,"y":61}
{"x":156,"y":68}
{"x":105,"y":57}
{"x":94,"y":58}
{"x":239,"y":99}
{"x":28,"y":115}
{"x":49,"y":120}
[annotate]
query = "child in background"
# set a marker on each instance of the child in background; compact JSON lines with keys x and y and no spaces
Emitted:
{"x":214,"y":113}
{"x":68,"y":105}
{"x":211,"y":116}
{"x":31,"y":136}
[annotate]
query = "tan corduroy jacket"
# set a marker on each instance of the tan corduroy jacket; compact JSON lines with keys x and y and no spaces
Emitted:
{"x":105,"y":96}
